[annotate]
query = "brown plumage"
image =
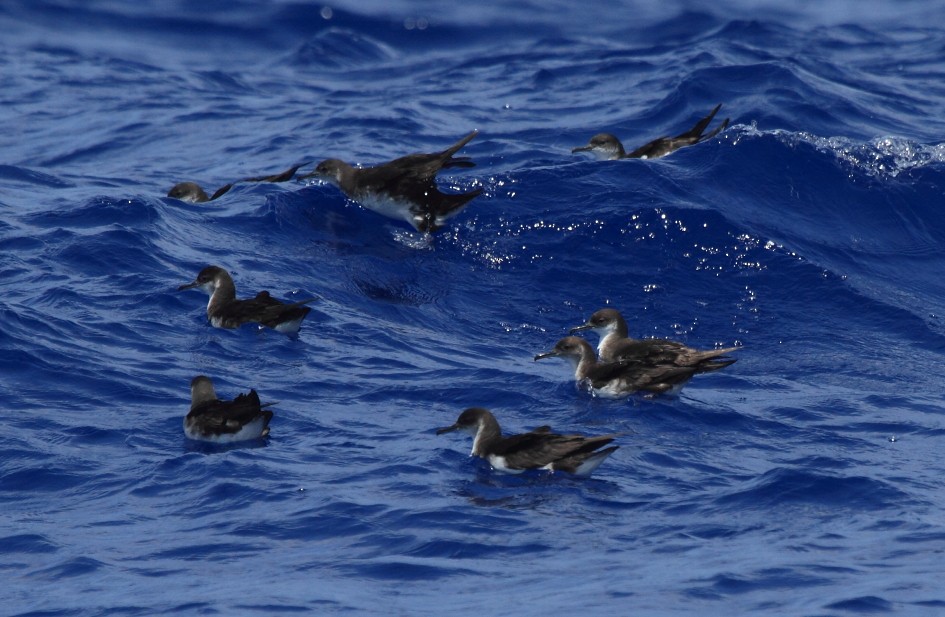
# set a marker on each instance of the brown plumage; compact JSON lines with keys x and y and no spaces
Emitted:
{"x":607,"y":146}
{"x":620,"y":378}
{"x":616,"y":344}
{"x":225,"y":311}
{"x":193,"y":193}
{"x":538,"y":449}
{"x":211,"y":419}
{"x":404,"y":188}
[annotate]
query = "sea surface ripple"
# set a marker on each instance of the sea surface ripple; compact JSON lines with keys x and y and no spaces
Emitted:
{"x":806,"y":479}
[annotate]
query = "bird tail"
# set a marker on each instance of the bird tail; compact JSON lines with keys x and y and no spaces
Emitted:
{"x":592,"y":462}
{"x":708,"y":361}
{"x":449,"y":206}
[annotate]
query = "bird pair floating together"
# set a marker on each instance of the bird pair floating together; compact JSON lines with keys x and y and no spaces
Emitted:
{"x":406,"y":189}
{"x":627,"y":365}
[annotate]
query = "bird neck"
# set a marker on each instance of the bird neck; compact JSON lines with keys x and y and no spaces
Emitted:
{"x":488,"y":433}
{"x":345,"y":177}
{"x":223,"y":292}
{"x":585,"y":362}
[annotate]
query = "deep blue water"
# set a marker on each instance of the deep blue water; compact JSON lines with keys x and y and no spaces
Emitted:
{"x":806,"y":479}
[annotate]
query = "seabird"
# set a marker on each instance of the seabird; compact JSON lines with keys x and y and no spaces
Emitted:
{"x":607,"y":146}
{"x":225,"y":311}
{"x":538,"y":449}
{"x":620,"y":378}
{"x":616,"y":344}
{"x":404,"y":188}
{"x":211,"y":419}
{"x":193,"y":193}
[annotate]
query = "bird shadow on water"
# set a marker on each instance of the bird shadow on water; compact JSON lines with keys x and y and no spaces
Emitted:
{"x":529,"y":490}
{"x":206,"y":447}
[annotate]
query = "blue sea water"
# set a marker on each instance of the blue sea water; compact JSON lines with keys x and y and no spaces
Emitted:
{"x":806,"y":479}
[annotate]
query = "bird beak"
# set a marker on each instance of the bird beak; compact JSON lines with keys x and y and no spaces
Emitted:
{"x":188,"y":286}
{"x":586,"y":326}
{"x":447,"y":429}
{"x":581,"y":149}
{"x":311,"y":174}
{"x":547,"y":354}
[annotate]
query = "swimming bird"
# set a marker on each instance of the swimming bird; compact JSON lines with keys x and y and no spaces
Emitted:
{"x":193,"y":193}
{"x":620,"y":378}
{"x":211,"y":419}
{"x":404,"y":188}
{"x":538,"y":449}
{"x":225,"y":311}
{"x":616,"y":344}
{"x":607,"y":146}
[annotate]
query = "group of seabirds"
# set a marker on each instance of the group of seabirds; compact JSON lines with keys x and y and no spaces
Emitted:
{"x":405,"y":188}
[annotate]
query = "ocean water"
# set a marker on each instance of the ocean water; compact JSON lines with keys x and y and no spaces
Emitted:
{"x":806,"y":479}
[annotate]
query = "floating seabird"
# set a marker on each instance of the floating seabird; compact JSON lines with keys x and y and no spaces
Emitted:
{"x":404,"y":188}
{"x":193,"y":193}
{"x":616,"y":344}
{"x":539,"y":449}
{"x":620,"y":378}
{"x":225,"y":311}
{"x":211,"y":419}
{"x":607,"y":146}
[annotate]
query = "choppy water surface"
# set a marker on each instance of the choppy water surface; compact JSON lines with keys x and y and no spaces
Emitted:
{"x":806,"y":479}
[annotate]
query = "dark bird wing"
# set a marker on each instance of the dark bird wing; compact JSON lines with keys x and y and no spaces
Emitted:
{"x":695,"y":133}
{"x":414,"y":178}
{"x":223,"y":190}
{"x":648,"y":351}
{"x":637,"y":376}
{"x":659,"y":378}
{"x":414,"y":169}
{"x":652,"y":352}
{"x":221,"y":417}
{"x":284,"y":176}
{"x":425,"y":166}
{"x":537,"y":449}
{"x":264,"y":309}
{"x":664,"y":145}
